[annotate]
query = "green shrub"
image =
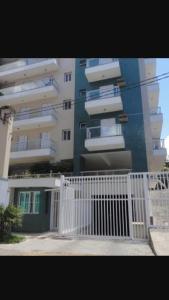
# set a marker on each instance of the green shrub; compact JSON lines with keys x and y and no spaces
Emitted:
{"x":10,"y":216}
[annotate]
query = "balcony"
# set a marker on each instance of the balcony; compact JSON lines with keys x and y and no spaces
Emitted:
{"x":29,"y":92}
{"x":104,"y":138}
{"x":26,"y":68}
{"x":46,"y":117}
{"x":153,"y":94}
{"x":34,"y":180}
{"x":102,"y":68}
{"x":159,"y":154}
{"x":150,"y":67}
{"x":159,"y":145}
{"x":103,"y":101}
{"x":33,"y":150}
{"x":156,"y":118}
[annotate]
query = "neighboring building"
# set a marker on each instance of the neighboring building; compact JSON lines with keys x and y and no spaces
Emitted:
{"x":97,"y":124}
{"x":42,"y":136}
{"x":6,"y":126}
{"x":167,"y":147}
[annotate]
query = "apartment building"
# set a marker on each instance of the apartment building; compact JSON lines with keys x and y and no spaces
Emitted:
{"x":118,"y":122}
{"x":86,"y":116}
{"x":41,"y":91}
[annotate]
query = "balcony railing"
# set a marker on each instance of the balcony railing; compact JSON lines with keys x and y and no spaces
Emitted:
{"x":100,"y":131}
{"x":30,"y":114}
{"x":102,"y":94}
{"x":158,"y":144}
{"x":92,"y":62}
{"x":156,"y":111}
{"x":106,"y":172}
{"x":33,"y":145}
{"x":29,"y":86}
{"x":21,"y":63}
{"x":37,"y":176}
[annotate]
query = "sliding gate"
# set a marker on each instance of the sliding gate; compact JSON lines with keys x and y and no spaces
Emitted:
{"x":103,"y":207}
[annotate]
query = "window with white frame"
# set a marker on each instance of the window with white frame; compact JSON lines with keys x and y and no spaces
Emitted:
{"x":67,"y":104}
{"x":67,"y":76}
{"x":29,"y":202}
{"x":66,"y":135}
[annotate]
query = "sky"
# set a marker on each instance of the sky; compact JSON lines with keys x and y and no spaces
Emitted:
{"x":163,"y":67}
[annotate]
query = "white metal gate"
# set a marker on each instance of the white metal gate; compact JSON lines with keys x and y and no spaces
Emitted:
{"x":103,"y":206}
{"x":116,"y":206}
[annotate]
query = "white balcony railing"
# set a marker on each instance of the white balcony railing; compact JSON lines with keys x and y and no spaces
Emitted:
{"x":29,"y":86}
{"x":92,"y":62}
{"x":106,"y":172}
{"x":156,"y":111}
{"x":100,"y":131}
{"x":158,"y":144}
{"x":99,"y":94}
{"x":21,"y":63}
{"x":30,"y":114}
{"x":34,"y":144}
{"x":37,"y":176}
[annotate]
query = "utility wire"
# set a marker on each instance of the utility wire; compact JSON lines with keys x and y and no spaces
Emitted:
{"x":106,"y":93}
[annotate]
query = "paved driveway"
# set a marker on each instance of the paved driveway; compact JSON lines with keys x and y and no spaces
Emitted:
{"x":49,"y":244}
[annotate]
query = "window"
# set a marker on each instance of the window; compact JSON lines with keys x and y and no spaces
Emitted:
{"x":29,"y":202}
{"x":82,"y":62}
{"x":66,"y":135}
{"x":67,"y":104}
{"x":36,"y":202}
{"x":82,"y":93}
{"x":82,"y":125}
{"x":67,"y":76}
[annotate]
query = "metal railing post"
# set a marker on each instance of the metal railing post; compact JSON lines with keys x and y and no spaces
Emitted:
{"x":147,"y":200}
{"x":61,"y":202}
{"x":130,"y":205}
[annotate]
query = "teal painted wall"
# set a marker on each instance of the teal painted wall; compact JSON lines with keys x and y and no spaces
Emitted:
{"x":133,"y":131}
{"x":36,"y":222}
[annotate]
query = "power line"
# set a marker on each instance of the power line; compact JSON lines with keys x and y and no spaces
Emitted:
{"x":108,"y":92}
{"x":111,"y":92}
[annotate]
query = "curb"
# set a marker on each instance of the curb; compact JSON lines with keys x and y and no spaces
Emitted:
{"x":151,"y":243}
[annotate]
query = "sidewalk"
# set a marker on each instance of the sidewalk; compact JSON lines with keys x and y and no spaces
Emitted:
{"x":160,"y":241}
{"x":49,"y":244}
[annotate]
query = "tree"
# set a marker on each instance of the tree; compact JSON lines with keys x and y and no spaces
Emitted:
{"x":9,"y":217}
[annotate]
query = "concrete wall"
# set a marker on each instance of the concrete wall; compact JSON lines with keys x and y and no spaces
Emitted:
{"x":36,"y":222}
{"x":4,"y":193}
{"x":5,"y":145}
